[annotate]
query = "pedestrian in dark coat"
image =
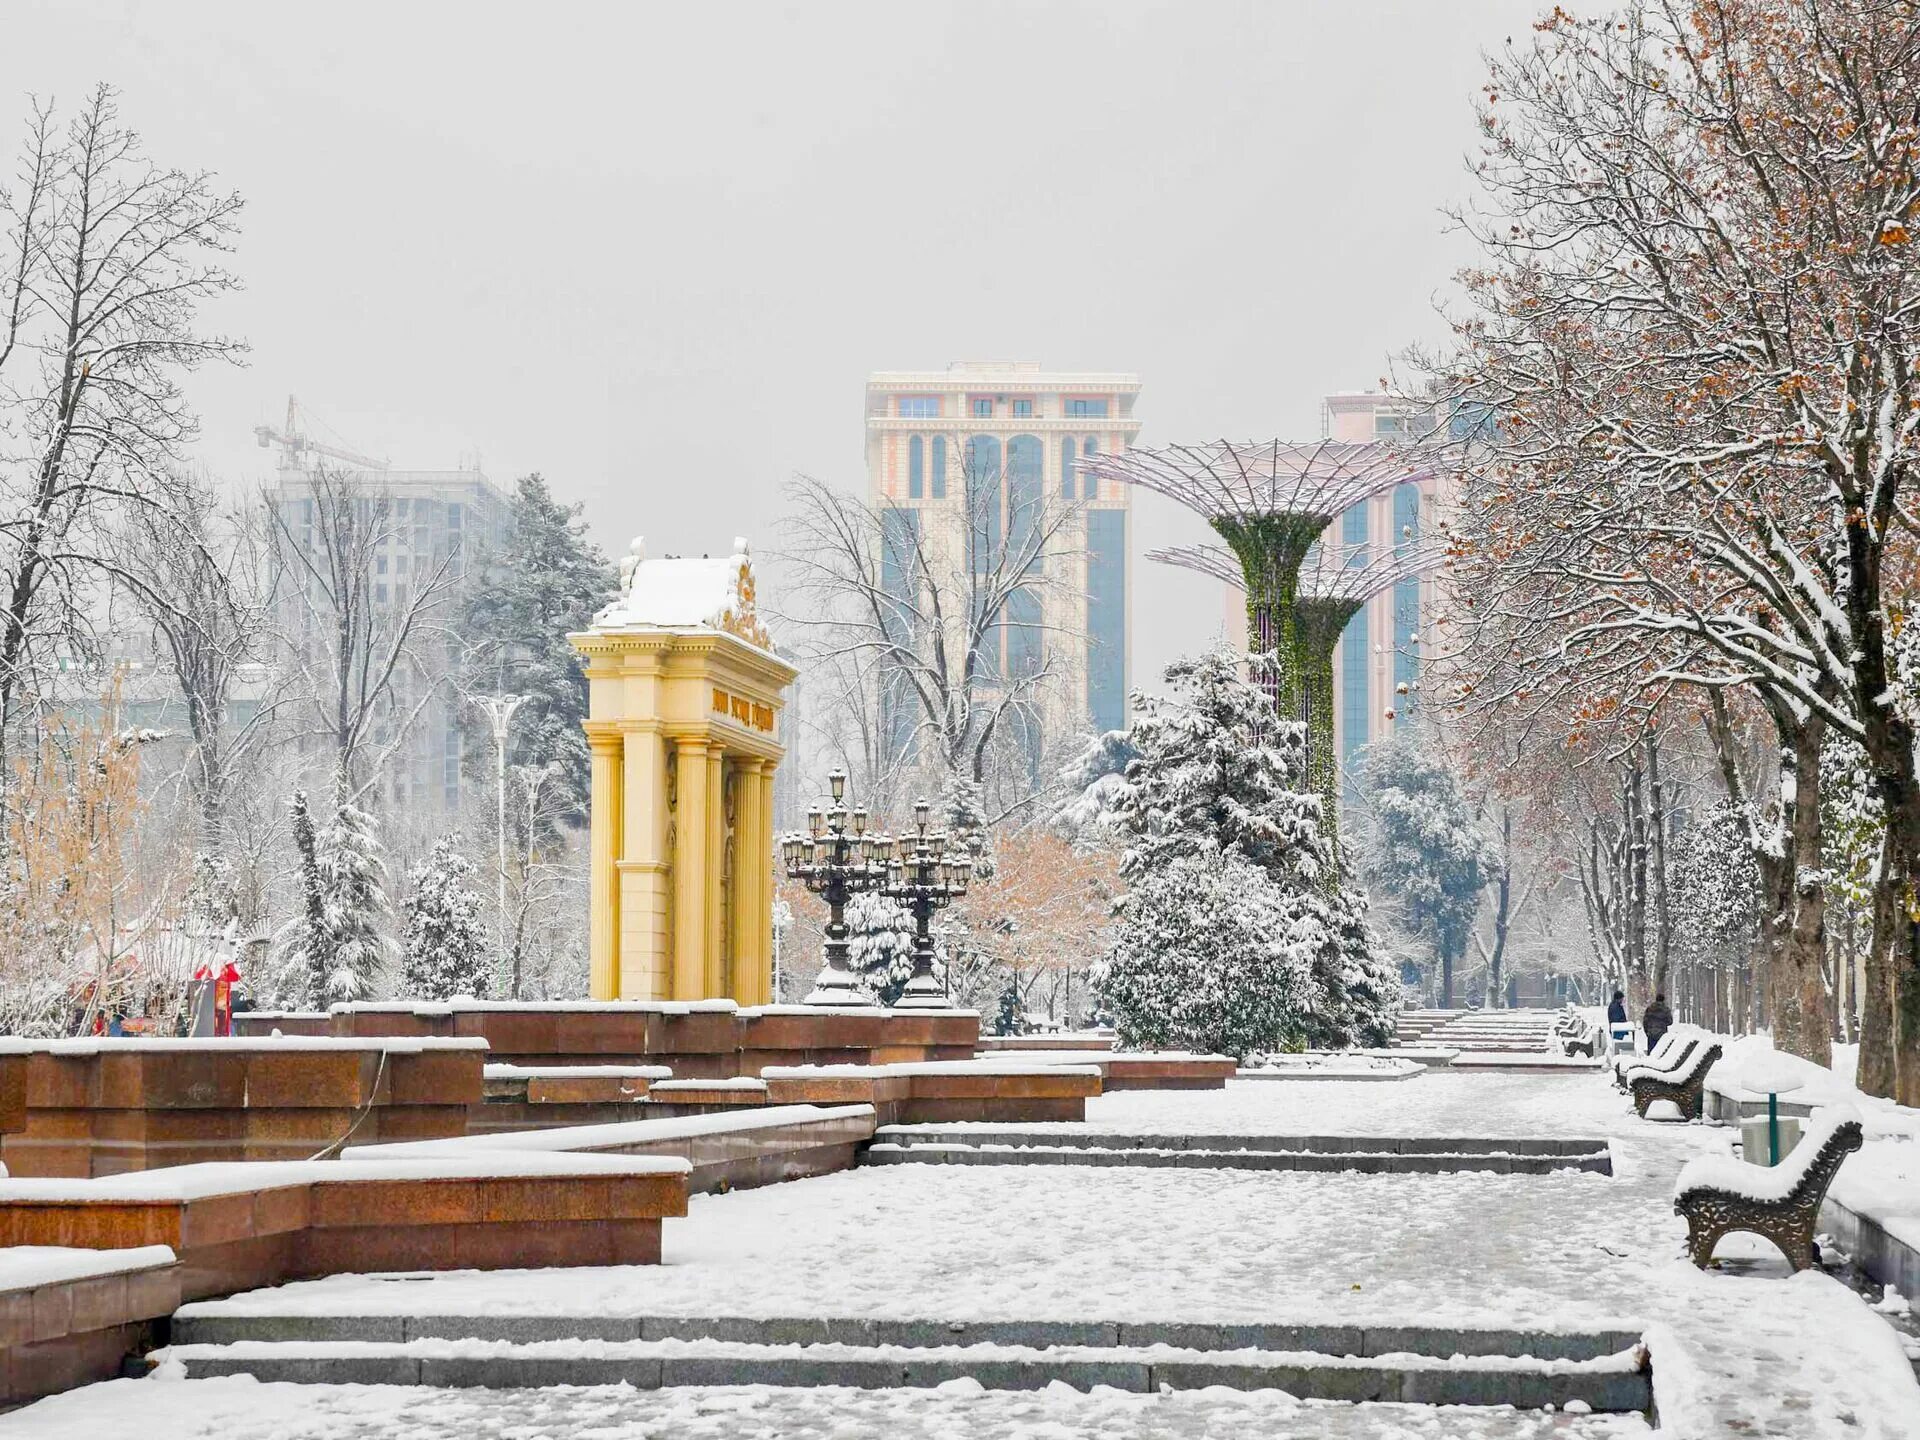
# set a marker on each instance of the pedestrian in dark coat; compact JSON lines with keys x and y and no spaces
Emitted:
{"x":1657,"y":1020}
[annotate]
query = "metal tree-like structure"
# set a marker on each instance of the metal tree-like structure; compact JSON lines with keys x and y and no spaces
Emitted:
{"x":1331,"y":587}
{"x":1270,"y":502}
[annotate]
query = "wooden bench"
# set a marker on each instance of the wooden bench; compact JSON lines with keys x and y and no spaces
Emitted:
{"x":1718,"y":1195}
{"x":1579,"y":1038}
{"x":1666,"y":1057}
{"x":1683,"y":1084}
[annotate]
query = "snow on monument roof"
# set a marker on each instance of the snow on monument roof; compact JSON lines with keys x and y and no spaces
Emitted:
{"x":685,"y":592}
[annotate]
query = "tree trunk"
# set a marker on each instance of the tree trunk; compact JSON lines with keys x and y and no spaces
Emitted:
{"x":1796,"y":980}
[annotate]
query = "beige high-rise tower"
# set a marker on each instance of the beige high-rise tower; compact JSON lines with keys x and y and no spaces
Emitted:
{"x":1020,"y":431}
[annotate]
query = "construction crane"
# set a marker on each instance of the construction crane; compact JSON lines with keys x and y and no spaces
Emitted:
{"x":296,"y":447}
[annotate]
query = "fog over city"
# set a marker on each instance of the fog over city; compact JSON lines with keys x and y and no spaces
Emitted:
{"x":654,"y":250}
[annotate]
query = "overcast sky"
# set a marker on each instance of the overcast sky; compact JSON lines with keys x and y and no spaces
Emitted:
{"x":654,"y":250}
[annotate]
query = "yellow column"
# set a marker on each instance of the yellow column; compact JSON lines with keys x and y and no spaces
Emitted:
{"x":693,"y":833}
{"x":603,"y":882}
{"x":641,"y":911}
{"x":749,"y":893}
{"x":763,"y":867}
{"x":714,"y":973}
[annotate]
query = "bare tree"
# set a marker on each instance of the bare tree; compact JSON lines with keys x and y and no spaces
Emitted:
{"x":108,"y":257}
{"x":197,"y":574}
{"x":941,"y":631}
{"x":357,"y":637}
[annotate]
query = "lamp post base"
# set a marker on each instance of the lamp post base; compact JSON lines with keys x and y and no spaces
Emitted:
{"x":836,"y":987}
{"x":923,"y":992}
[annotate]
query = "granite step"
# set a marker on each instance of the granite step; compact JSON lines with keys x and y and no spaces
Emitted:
{"x":1618,"y":1382}
{"x":1369,"y":1154}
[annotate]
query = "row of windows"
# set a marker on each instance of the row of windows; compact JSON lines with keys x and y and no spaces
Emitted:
{"x":927,"y":463}
{"x":1074,"y":407}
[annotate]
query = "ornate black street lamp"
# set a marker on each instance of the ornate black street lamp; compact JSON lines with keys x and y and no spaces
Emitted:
{"x":837,"y":859}
{"x":922,"y":879}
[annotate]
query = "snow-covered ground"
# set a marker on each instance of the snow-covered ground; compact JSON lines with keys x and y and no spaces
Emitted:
{"x":226,"y":1409}
{"x":1744,"y":1346}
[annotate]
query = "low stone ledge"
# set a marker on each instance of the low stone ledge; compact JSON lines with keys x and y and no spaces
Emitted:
{"x":240,"y":1226}
{"x":73,"y":1316}
{"x":98,"y":1107}
{"x":729,"y":1151}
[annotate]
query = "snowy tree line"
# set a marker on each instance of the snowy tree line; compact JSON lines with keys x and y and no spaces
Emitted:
{"x":249,"y":820}
{"x":1686,"y":555}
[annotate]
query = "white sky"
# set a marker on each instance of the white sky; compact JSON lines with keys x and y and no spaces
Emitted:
{"x":654,"y":250}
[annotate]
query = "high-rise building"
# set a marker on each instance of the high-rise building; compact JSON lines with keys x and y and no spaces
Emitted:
{"x":1011,"y":435}
{"x":428,"y":518}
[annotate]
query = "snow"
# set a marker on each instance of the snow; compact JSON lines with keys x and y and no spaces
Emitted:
{"x":1570,"y":1251}
{"x":606,"y":1137}
{"x":743,"y":1084}
{"x":578,"y":1072}
{"x":993,"y":1063}
{"x":1765,"y":1182}
{"x":24,"y":1267}
{"x":241,"y":1407}
{"x":272,"y":1045}
{"x":203,"y":1181}
{"x":611,"y":1007}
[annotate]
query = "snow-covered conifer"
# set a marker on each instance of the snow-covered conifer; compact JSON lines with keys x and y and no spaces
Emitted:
{"x":445,"y":950}
{"x":1423,"y":848}
{"x":879,"y":945}
{"x":1212,"y":956}
{"x":1218,"y":773}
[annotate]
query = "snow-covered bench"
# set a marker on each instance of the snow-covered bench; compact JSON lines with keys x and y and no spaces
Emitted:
{"x":1669,"y":1055}
{"x":1682,"y":1084}
{"x":1579,"y":1038}
{"x":1718,"y":1194}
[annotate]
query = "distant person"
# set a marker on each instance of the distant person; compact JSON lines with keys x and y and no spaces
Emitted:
{"x":1657,"y":1021}
{"x":1617,"y":1009}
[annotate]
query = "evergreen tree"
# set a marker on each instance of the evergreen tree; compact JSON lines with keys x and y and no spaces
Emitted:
{"x":445,"y":950}
{"x":335,"y":951}
{"x":964,"y":815}
{"x":1092,"y":785}
{"x":1218,"y":787}
{"x":880,"y":945}
{"x":1219,"y":774}
{"x":546,"y":581}
{"x":1212,"y":956}
{"x":1423,"y":847}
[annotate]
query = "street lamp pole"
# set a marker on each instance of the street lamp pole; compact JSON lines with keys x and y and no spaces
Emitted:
{"x":921,"y":878}
{"x":836,"y":859}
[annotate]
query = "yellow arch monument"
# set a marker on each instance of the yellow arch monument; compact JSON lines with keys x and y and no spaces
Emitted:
{"x":686,"y":694}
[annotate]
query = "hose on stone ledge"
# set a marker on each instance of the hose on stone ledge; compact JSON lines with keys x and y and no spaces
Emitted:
{"x":365,"y":1110}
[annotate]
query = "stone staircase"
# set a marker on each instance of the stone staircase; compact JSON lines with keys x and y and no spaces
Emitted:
{"x":1364,"y":1154}
{"x":1606,"y":1370}
{"x":1500,"y":1032}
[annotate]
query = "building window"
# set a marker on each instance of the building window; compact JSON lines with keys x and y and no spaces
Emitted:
{"x":1066,"y":467}
{"x":916,"y":467}
{"x":1355,"y":702}
{"x":1078,"y":407}
{"x":939,"y":477}
{"x":1023,"y":634}
{"x":920,"y":407}
{"x":1406,"y":606}
{"x":983,"y":408}
{"x":1089,"y":482}
{"x":1107,"y":619}
{"x":1023,"y":409}
{"x":1025,"y":489}
{"x":981,"y":487}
